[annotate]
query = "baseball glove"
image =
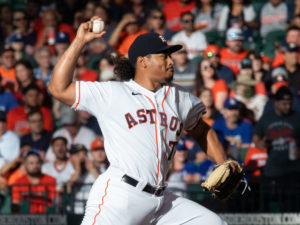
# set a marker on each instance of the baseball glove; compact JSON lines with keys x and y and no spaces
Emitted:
{"x":223,"y":181}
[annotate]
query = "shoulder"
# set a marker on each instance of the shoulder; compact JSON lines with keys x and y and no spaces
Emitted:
{"x":22,"y":180}
{"x":246,"y":124}
{"x":48,"y":178}
{"x":16,"y":110}
{"x":11,"y":135}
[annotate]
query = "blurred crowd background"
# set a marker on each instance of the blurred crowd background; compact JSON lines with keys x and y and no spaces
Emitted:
{"x":240,"y":57}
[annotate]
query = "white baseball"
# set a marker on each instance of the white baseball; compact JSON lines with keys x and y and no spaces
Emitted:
{"x":98,"y":26}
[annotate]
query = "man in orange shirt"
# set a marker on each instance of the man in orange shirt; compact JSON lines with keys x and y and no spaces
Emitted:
{"x":34,"y":187}
{"x":234,"y":53}
{"x":17,"y":117}
{"x":7,"y":69}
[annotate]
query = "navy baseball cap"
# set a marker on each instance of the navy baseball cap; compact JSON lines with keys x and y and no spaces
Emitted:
{"x":231,"y":103}
{"x":62,"y":37}
{"x":150,"y":43}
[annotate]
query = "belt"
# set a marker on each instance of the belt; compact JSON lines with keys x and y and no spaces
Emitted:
{"x":157,"y":191}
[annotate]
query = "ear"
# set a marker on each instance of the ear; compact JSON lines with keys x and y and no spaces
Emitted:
{"x":142,"y":61}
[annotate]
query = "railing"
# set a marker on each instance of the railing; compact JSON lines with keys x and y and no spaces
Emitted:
{"x":262,"y":198}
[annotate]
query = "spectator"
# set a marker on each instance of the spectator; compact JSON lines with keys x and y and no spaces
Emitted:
{"x":184,"y":69}
{"x":273,"y":16}
{"x":7,"y":69}
{"x":62,"y":42}
{"x":82,"y":72}
{"x":278,"y":131}
{"x":24,"y":30}
{"x":102,"y":12}
{"x":177,"y":172}
{"x":7,"y":100}
{"x":51,"y":22}
{"x":206,"y":77}
{"x":292,"y":37}
{"x":195,"y":41}
{"x":87,"y":174}
{"x":9,"y":141}
{"x":17,"y":117}
{"x":98,"y":154}
{"x":25,"y":77}
{"x":106,"y":68}
{"x":157,"y":24}
{"x":38,"y":138}
{"x":234,"y":53}
{"x":72,"y":130}
{"x":207,"y":15}
{"x":173,"y":11}
{"x":140,"y":8}
{"x":212,"y":113}
{"x":125,"y":33}
{"x":89,"y":10}
{"x":291,"y":54}
{"x":212,"y":53}
{"x":44,"y":71}
{"x":17,"y":43}
{"x":238,"y":14}
{"x":199,"y":169}
{"x":34,"y":187}
{"x":61,"y":169}
{"x":15,"y":169}
{"x":5,"y":20}
{"x":89,"y":121}
{"x":244,"y":91}
{"x":233,"y":132}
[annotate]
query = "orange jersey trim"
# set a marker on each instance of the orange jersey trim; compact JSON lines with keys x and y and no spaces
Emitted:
{"x":102,"y":202}
{"x":162,"y":104}
{"x":78,"y":96}
{"x":155,"y":138}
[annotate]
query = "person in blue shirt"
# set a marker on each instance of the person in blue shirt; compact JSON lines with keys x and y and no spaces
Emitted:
{"x":7,"y":100}
{"x":234,"y":132}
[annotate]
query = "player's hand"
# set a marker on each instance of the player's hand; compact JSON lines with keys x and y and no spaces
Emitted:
{"x":84,"y":32}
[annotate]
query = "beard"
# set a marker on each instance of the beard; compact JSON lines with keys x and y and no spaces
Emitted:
{"x":34,"y":173}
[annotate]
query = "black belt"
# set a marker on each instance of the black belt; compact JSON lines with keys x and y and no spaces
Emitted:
{"x":157,"y":191}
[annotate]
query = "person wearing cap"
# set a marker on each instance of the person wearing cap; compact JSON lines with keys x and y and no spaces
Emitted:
{"x":184,"y":69}
{"x":244,"y":90}
{"x":194,"y":40}
{"x":9,"y":141}
{"x":279,"y":132}
{"x":62,"y":42}
{"x":98,"y":154}
{"x":291,"y":55}
{"x":234,"y":132}
{"x":7,"y":99}
{"x":212,"y":53}
{"x":234,"y":53}
{"x":141,"y":118}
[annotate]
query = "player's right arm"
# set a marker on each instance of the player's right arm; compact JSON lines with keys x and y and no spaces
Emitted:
{"x":61,"y":84}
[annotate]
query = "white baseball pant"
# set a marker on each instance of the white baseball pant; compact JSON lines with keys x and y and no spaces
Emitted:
{"x":114,"y":202}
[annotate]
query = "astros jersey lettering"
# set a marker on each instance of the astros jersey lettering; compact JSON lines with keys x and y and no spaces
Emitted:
{"x":132,"y":118}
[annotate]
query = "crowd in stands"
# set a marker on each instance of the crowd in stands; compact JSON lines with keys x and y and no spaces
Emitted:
{"x":240,"y":57}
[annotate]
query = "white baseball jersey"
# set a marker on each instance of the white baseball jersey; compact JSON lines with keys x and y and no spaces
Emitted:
{"x":62,"y":173}
{"x":141,"y":128}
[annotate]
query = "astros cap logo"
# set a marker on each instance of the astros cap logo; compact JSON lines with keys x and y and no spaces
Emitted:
{"x":162,"y":38}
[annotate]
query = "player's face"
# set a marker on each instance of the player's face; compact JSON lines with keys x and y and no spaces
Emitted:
{"x":33,"y":165}
{"x":161,"y":67}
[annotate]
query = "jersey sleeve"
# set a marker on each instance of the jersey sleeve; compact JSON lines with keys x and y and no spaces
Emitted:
{"x":92,"y":97}
{"x":194,"y":111}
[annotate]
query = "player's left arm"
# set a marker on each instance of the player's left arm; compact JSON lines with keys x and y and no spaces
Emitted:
{"x":208,"y":141}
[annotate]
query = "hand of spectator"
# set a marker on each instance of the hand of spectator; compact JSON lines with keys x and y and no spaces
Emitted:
{"x":128,"y":18}
{"x":88,"y":164}
{"x":84,"y":32}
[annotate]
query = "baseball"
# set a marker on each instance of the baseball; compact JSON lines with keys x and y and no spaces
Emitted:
{"x":98,"y":26}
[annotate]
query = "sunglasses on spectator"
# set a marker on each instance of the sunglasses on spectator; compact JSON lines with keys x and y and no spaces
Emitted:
{"x":206,"y":67}
{"x":188,"y":21}
{"x":157,"y":17}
